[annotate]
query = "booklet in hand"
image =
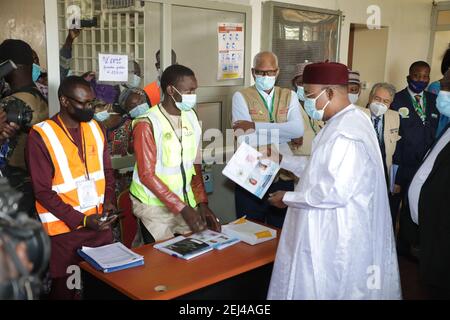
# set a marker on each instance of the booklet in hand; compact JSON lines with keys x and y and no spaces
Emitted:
{"x":248,"y":169}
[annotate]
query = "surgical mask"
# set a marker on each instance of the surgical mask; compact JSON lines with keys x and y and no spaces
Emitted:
{"x":310,"y":108}
{"x":378,"y":108}
{"x":353,"y":97}
{"x":102,"y":116}
{"x":135,"y":81}
{"x":36,"y":72}
{"x":139,"y":110}
{"x":301,"y":93}
{"x":265,"y":83}
{"x":417,"y":86}
{"x":188,"y":101}
{"x":443,"y":103}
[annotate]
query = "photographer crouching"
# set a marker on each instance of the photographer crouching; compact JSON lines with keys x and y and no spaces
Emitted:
{"x":24,"y":107}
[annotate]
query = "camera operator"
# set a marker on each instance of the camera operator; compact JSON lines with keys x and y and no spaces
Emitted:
{"x":24,"y":249}
{"x":24,"y":94}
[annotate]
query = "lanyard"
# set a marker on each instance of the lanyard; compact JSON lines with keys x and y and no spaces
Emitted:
{"x":83,"y":151}
{"x":267,"y":107}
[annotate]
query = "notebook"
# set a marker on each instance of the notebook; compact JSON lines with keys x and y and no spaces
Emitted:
{"x":217,"y":240}
{"x":111,"y":258}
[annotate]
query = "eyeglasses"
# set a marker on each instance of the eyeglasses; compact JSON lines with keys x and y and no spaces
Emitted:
{"x":270,"y":73}
{"x":86,"y":104}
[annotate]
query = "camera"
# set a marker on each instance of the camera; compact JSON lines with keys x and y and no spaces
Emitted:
{"x":17,"y":228}
{"x":17,"y":111}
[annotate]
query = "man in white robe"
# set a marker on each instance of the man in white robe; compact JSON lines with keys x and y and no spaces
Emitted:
{"x":337,"y":241}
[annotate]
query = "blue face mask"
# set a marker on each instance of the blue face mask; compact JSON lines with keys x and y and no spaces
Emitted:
{"x":417,"y":86}
{"x":188,"y":101}
{"x":140,"y":110}
{"x":301,"y":93}
{"x":443,"y":103}
{"x":310,"y":108}
{"x":265,"y":83}
{"x":102,"y":116}
{"x":36,"y":72}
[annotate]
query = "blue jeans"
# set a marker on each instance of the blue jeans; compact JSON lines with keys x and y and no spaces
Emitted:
{"x":259,"y":209}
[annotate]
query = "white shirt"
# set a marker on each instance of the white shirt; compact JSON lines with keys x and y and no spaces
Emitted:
{"x":292,"y":129}
{"x":338,"y":228}
{"x":422,"y":175}
{"x":413,"y":95}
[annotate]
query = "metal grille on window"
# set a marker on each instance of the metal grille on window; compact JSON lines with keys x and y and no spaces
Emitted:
{"x":119,"y":29}
{"x":300,"y":36}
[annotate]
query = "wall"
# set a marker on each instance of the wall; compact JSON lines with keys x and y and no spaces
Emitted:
{"x":441,"y":43}
{"x":408,"y":22}
{"x":369,"y":58}
{"x":24,"y":19}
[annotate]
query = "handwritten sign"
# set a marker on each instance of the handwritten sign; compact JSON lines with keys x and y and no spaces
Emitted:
{"x":113,"y":67}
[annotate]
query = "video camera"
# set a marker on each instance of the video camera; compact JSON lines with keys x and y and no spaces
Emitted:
{"x":17,"y":111}
{"x":17,"y":228}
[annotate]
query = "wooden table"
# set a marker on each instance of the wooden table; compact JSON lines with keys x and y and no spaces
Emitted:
{"x":241,"y":271}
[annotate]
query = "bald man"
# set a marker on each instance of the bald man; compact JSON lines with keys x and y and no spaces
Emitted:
{"x":337,"y":242}
{"x":73,"y":181}
{"x":258,"y":111}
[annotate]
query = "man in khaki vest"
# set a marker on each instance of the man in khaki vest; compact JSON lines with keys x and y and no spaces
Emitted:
{"x":23,"y":88}
{"x":386,"y":123}
{"x":257,"y":111}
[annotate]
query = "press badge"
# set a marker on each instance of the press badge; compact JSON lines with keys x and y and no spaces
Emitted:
{"x":87,"y":194}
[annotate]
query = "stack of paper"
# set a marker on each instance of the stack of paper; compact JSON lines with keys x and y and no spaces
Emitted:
{"x":249,"y":232}
{"x":112,"y":257}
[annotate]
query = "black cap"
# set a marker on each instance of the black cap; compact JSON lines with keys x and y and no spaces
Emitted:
{"x":18,"y":51}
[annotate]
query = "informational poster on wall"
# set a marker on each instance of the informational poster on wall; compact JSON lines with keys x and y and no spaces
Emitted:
{"x":113,"y":68}
{"x":231,"y":51}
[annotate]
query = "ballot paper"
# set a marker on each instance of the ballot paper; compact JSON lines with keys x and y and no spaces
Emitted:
{"x":112,"y":257}
{"x":248,"y":169}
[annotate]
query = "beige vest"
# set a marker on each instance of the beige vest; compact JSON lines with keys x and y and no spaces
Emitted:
{"x":390,"y":133}
{"x":259,"y":112}
{"x":40,"y":108}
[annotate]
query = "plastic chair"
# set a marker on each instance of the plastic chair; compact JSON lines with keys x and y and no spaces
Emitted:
{"x":128,"y":224}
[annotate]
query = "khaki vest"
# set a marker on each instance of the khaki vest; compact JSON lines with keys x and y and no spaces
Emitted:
{"x":40,"y":108}
{"x":259,"y":112}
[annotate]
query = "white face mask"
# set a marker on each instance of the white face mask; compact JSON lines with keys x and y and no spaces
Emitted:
{"x":378,"y":108}
{"x":353,"y":97}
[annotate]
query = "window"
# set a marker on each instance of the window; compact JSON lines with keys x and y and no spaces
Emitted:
{"x":300,"y":34}
{"x":119,"y":29}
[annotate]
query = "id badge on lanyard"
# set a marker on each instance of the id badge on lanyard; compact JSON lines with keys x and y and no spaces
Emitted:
{"x":87,"y":194}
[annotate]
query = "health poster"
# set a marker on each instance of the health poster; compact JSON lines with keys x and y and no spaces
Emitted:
{"x":231,"y":51}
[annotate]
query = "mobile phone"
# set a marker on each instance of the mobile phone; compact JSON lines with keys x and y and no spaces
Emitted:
{"x":111,"y":215}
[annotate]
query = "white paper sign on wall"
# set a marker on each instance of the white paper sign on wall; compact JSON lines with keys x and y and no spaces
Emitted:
{"x":113,"y":67}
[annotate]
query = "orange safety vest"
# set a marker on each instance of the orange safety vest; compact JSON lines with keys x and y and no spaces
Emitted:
{"x":69,"y":169}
